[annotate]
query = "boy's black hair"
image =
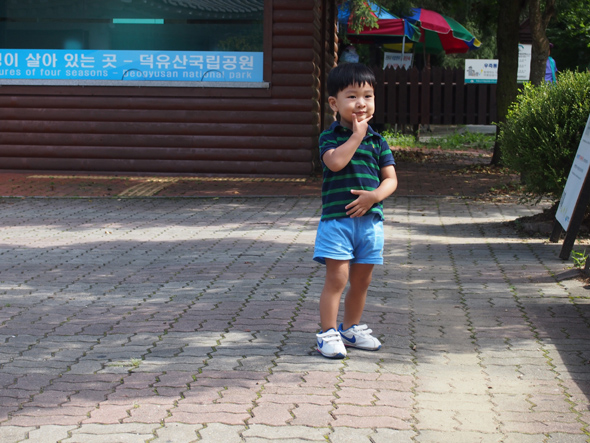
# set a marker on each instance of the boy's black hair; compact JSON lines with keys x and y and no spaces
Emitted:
{"x":348,"y":74}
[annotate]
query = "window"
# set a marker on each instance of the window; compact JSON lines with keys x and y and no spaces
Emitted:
{"x":191,"y":40}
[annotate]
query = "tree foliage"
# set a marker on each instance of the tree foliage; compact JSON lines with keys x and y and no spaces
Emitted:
{"x":570,"y":32}
{"x":575,"y":18}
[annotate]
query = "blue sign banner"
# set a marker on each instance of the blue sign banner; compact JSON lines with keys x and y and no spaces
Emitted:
{"x":63,"y":64}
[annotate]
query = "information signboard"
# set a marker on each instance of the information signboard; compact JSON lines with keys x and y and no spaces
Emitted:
{"x":575,"y":180}
{"x":574,"y":199}
{"x":524,"y":63}
{"x":486,"y":70}
{"x":481,"y":70}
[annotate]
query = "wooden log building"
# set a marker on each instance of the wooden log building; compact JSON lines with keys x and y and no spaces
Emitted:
{"x":55,"y":118}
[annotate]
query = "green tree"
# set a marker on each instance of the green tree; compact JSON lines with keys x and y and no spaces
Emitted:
{"x":540,"y":14}
{"x":507,"y":37}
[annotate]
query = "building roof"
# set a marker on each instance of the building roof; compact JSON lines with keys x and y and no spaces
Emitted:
{"x":167,"y":9}
{"x":232,"y":6}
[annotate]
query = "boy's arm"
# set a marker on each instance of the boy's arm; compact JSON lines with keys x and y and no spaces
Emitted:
{"x":366,"y":199}
{"x":336,"y":159}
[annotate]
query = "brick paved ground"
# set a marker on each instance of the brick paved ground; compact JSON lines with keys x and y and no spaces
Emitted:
{"x":181,"y":320}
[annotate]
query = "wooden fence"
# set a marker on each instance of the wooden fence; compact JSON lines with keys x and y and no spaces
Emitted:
{"x":433,"y":96}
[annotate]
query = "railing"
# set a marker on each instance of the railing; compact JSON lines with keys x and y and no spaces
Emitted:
{"x":434,"y":96}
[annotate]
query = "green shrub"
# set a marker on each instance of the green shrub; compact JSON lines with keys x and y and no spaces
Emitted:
{"x":543,"y":130}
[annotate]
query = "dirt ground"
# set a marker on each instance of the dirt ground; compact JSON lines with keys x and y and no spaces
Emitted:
{"x":421,"y":172}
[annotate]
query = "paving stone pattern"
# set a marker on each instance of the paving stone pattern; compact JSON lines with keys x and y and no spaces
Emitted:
{"x":182,"y":320}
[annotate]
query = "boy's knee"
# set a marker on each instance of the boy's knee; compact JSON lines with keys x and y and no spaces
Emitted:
{"x":361,"y":274}
{"x":337,"y":271}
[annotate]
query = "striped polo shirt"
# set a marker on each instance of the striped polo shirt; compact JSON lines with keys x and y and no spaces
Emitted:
{"x":362,"y":172}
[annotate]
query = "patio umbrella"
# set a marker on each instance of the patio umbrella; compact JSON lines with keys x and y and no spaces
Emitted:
{"x":441,"y":33}
{"x":391,"y":29}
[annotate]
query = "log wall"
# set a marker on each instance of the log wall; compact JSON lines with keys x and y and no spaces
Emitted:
{"x":213,"y":131}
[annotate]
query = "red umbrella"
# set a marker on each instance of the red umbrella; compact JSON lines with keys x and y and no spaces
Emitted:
{"x":441,"y":33}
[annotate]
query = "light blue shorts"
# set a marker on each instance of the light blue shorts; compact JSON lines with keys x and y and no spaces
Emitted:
{"x":359,"y":240}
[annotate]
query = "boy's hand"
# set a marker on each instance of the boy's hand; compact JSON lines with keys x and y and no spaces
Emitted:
{"x":366,"y":199}
{"x":360,"y":123}
{"x":364,"y":202}
{"x":337,"y":159}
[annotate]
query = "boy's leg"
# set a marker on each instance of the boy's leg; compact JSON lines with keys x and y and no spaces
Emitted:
{"x":336,"y":279}
{"x":352,"y":332}
{"x":354,"y":303}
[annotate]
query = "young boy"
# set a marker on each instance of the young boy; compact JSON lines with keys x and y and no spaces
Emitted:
{"x":358,"y":175}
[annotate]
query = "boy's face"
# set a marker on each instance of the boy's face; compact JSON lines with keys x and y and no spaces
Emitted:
{"x":354,"y":101}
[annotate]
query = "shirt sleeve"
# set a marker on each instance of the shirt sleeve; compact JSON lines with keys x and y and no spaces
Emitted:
{"x":386,"y":156}
{"x":328,"y":140}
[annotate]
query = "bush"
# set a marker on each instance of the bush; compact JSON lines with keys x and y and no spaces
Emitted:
{"x":543,"y":130}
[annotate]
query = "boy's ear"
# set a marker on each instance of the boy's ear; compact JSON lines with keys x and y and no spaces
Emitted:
{"x":333,"y":104}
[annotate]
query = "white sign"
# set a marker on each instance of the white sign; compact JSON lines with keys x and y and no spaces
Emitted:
{"x":486,"y":71}
{"x":524,"y":63}
{"x":481,"y":71}
{"x":575,"y":180}
{"x":394,"y":60}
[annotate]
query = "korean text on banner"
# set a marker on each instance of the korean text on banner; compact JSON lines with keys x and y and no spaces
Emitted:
{"x":130,"y":65}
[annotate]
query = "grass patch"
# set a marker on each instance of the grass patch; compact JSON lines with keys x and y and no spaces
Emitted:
{"x":457,"y":141}
{"x":401,"y":140}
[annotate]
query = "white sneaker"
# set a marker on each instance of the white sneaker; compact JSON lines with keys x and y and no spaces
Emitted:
{"x":359,"y":337}
{"x":330,"y":344}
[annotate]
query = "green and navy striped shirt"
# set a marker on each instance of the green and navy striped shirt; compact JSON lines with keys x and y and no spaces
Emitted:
{"x":362,"y":172}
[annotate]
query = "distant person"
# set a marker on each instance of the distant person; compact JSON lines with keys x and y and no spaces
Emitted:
{"x":349,"y":55}
{"x":551,"y":67}
{"x":358,"y":174}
